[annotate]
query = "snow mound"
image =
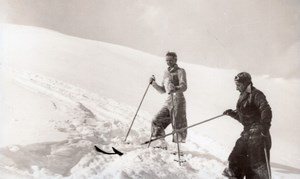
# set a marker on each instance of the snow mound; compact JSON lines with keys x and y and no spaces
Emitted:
{"x":103,"y":122}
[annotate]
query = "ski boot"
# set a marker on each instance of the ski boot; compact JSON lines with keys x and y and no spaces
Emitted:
{"x":228,"y":173}
{"x":162,"y":144}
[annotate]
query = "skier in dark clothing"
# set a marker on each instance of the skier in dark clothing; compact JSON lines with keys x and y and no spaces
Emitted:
{"x":250,"y":156}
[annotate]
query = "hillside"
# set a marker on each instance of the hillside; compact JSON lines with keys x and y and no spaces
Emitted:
{"x":60,"y":95}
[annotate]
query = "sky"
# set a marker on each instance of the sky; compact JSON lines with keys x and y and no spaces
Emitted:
{"x":258,"y":36}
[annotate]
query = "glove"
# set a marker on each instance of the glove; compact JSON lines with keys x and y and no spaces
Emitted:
{"x":259,"y":130}
{"x":229,"y":112}
{"x":171,"y":88}
{"x":152,"y":78}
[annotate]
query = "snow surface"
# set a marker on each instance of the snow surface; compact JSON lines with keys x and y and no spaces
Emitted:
{"x":61,"y":95}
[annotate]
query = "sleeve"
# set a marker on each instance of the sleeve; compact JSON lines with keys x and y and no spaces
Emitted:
{"x":161,"y":89}
{"x":235,"y":116}
{"x":182,"y":87}
{"x":264,"y":109}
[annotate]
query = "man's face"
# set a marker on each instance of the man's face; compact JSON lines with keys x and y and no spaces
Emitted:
{"x":171,"y":61}
{"x":240,"y":86}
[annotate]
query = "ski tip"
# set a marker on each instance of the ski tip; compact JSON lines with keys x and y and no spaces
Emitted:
{"x":117,"y":151}
{"x":97,"y":148}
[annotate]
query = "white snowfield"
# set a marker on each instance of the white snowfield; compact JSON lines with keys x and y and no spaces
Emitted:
{"x":61,"y":95}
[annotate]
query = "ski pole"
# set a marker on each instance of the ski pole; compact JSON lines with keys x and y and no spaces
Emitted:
{"x":267,"y":161}
{"x":174,"y":128}
{"x":138,"y":110}
{"x":150,"y":138}
{"x":182,"y":129}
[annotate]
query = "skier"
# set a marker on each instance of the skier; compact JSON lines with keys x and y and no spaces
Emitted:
{"x":174,"y":83}
{"x":250,"y":156}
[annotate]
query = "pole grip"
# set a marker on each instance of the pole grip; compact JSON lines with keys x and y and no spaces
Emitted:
{"x":153,"y":79}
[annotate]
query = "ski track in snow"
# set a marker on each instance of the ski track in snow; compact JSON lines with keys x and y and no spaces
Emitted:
{"x":104,"y":122}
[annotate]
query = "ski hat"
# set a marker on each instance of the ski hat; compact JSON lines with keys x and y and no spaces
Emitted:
{"x":243,"y":77}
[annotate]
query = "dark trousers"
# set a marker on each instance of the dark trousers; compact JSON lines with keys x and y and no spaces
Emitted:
{"x":247,"y":158}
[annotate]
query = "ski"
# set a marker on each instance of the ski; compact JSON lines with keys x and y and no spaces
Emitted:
{"x":116,"y":152}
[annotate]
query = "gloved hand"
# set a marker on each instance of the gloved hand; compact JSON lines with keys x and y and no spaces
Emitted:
{"x":171,"y":88}
{"x":258,"y":130}
{"x":152,"y":78}
{"x":229,"y":112}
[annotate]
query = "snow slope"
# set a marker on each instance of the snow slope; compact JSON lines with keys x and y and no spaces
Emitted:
{"x":91,"y":120}
{"x":60,"y":95}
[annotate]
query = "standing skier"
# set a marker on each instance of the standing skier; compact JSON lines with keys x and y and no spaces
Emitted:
{"x":250,"y":156}
{"x":174,"y":83}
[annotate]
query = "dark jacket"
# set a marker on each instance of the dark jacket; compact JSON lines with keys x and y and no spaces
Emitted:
{"x":253,"y":110}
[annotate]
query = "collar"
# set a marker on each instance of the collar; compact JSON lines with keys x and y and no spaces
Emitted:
{"x":175,"y":67}
{"x":249,"y":88}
